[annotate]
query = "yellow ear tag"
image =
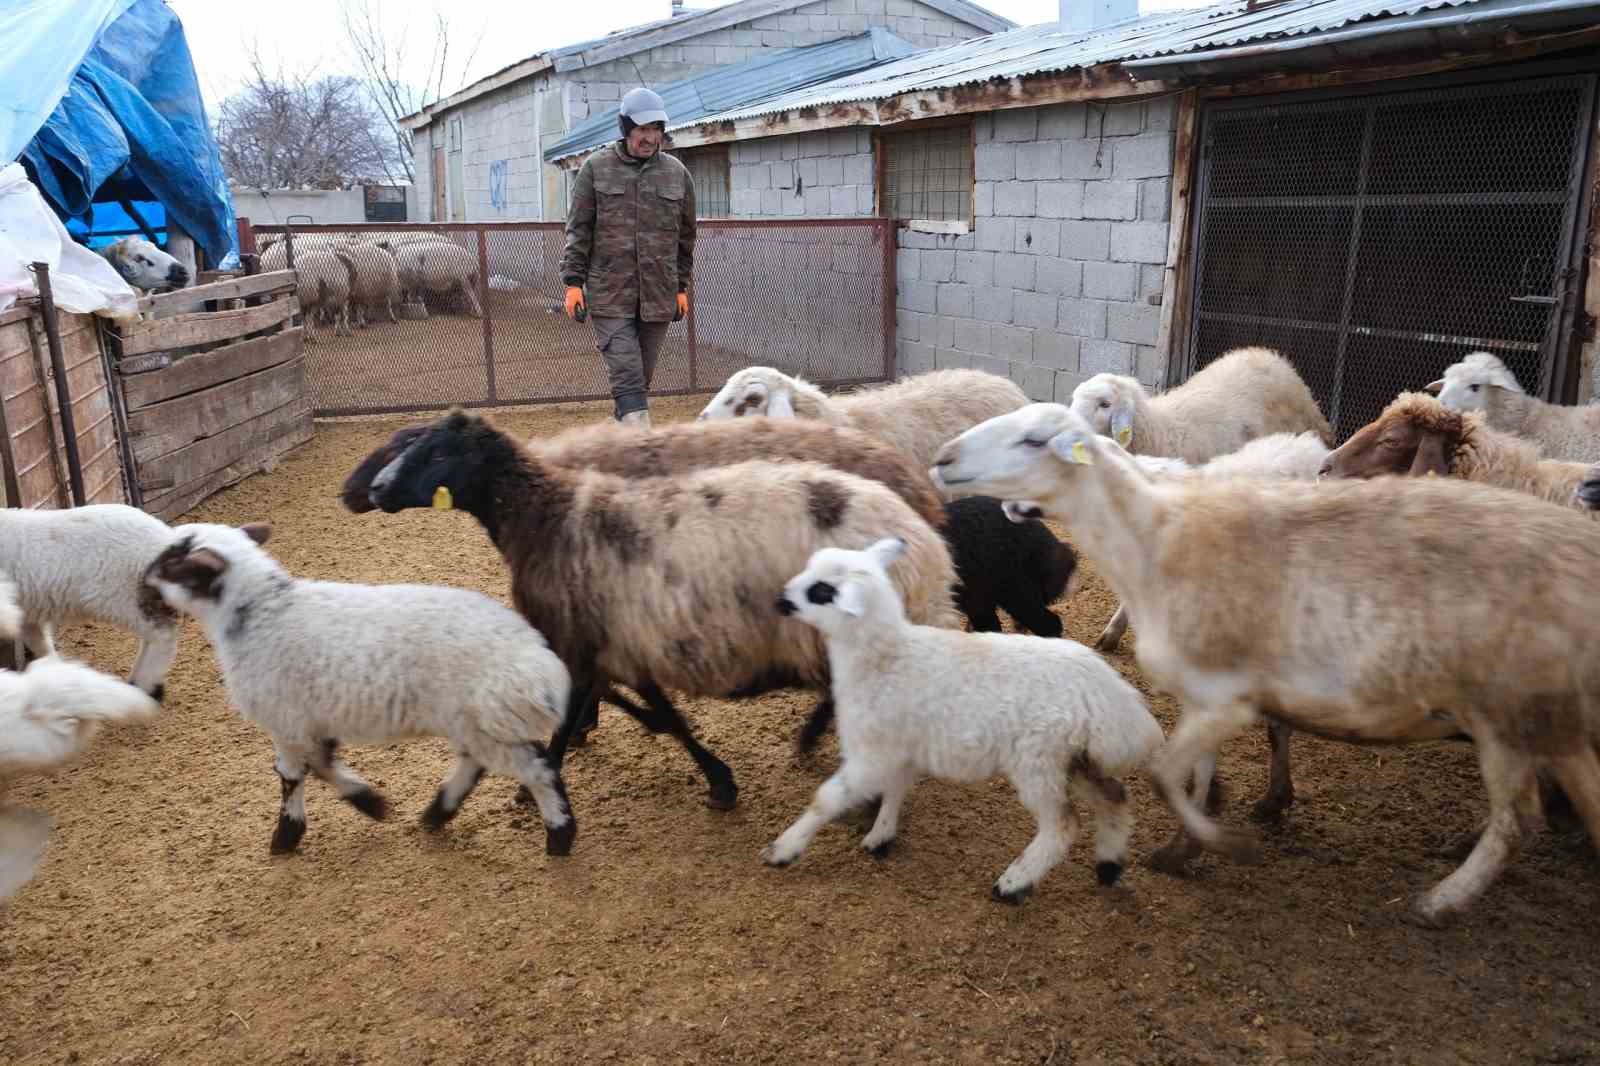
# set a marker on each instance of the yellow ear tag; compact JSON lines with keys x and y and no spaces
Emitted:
{"x":441,"y":499}
{"x":1124,"y":435}
{"x":1080,"y":454}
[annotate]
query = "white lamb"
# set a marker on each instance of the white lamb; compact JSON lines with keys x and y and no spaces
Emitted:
{"x":88,"y":563}
{"x":319,"y":663}
{"x":144,"y":266}
{"x":1481,"y":382}
{"x":1245,"y":394}
{"x":915,"y":414}
{"x":917,"y":700}
{"x":48,"y":714}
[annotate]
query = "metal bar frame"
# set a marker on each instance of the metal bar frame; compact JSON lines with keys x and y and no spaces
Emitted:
{"x":52,"y":336}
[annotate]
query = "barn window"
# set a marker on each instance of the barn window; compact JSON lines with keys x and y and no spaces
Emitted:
{"x":927,"y":173}
{"x":708,"y":167}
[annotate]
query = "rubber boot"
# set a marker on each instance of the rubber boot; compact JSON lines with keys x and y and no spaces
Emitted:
{"x":640,"y":417}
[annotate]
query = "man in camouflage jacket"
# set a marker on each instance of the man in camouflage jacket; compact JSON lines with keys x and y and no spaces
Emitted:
{"x":630,"y":244}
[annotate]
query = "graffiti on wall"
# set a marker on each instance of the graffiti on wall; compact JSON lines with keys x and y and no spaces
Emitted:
{"x":498,"y":171}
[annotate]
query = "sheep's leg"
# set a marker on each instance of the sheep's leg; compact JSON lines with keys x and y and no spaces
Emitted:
{"x":1200,"y":732}
{"x":895,"y":786}
{"x":37,"y":639}
{"x":388,"y":305}
{"x":984,"y":618}
{"x":1111,"y":635}
{"x":1510,"y":780}
{"x":469,"y":290}
{"x":1107,"y":798}
{"x":532,"y":766}
{"x":455,"y":790}
{"x":847,"y":788}
{"x":1046,"y":797}
{"x":291,"y":766}
{"x":1037,"y":619}
{"x":157,"y":649}
{"x":663,"y":717}
{"x":1579,"y":775}
{"x":815,"y":726}
{"x":351,"y":786}
{"x":1280,"y":789}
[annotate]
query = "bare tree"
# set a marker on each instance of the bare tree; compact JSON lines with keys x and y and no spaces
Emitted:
{"x":292,"y":131}
{"x":399,"y":86}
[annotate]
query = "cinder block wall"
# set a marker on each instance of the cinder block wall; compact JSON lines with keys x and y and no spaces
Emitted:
{"x":815,"y":175}
{"x":1070,"y":238}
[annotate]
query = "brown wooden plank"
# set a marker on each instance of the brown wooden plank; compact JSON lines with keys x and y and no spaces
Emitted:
{"x":205,"y":369}
{"x":212,"y":464}
{"x":165,"y":427}
{"x":205,"y":327}
{"x":1175,"y":278}
{"x":18,"y":313}
{"x":255,"y":285}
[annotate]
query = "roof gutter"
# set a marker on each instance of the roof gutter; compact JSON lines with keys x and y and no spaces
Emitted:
{"x":1437,"y":29}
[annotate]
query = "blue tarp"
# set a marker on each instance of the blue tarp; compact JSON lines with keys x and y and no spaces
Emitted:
{"x":130,"y":125}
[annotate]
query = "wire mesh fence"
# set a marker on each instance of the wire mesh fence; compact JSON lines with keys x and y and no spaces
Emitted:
{"x":1376,"y":238}
{"x":479,"y":321}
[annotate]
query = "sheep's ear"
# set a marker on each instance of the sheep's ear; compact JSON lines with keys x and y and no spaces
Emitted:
{"x":887,"y":551}
{"x":1071,"y":447}
{"x":1430,"y":457}
{"x":852,"y":597}
{"x":257,"y":531}
{"x":1122,"y":425}
{"x":779,"y":404}
{"x":198,"y":571}
{"x":1022,"y":511}
{"x":1434,"y":386}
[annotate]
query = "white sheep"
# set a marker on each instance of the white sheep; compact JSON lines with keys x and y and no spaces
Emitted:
{"x":88,"y":563}
{"x":320,"y":663}
{"x":438,"y":268}
{"x":322,"y":284}
{"x":374,"y":282}
{"x":48,"y":714}
{"x":145,"y":266}
{"x":915,"y":414}
{"x":917,"y":700}
{"x":1244,"y":394}
{"x":1386,"y":611}
{"x":1481,"y":382}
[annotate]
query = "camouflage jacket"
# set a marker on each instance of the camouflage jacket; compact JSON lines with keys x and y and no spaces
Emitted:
{"x":630,"y":234}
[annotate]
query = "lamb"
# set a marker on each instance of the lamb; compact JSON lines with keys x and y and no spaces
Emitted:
{"x":1399,"y":610}
{"x":1418,"y":435}
{"x":1587,"y":493}
{"x":320,"y":663}
{"x":657,"y":582}
{"x":375,"y":280}
{"x":439,"y":268}
{"x":1481,"y":382}
{"x":916,"y":414}
{"x":323,"y":286}
{"x":913,"y":700}
{"x":1017,"y":565}
{"x":48,"y":714}
{"x":1245,"y":394}
{"x":88,"y":562}
{"x":145,"y":266}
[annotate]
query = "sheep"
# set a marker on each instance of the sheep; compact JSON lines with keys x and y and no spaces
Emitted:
{"x":1387,"y":611}
{"x":1019,"y":566}
{"x":1244,"y":394}
{"x":1587,"y":494}
{"x":275,"y":256}
{"x":87,"y":562}
{"x":915,"y":414}
{"x":1481,"y":382}
{"x":145,"y":266}
{"x":375,"y":281}
{"x":913,"y":700}
{"x":1419,"y":435}
{"x":323,"y":286}
{"x":657,"y":582}
{"x":48,"y":714}
{"x":320,"y":663}
{"x":439,"y":268}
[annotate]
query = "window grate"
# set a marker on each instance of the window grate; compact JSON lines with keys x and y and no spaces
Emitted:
{"x":927,"y":174}
{"x":708,"y":168}
{"x":1376,"y":238}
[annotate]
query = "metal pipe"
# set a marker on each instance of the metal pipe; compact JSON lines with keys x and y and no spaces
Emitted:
{"x":58,"y":366}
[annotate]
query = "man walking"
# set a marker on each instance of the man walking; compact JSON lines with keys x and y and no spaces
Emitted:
{"x":630,"y":244}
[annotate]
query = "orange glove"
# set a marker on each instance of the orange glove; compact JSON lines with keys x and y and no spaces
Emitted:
{"x":575,"y":309}
{"x":683,"y":306}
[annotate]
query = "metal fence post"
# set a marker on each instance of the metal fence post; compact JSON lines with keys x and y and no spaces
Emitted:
{"x":488,"y":319}
{"x":58,"y":367}
{"x":887,"y":229}
{"x":694,"y":374}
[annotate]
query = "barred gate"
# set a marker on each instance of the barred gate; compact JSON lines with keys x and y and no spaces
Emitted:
{"x":1374,"y":237}
{"x":813,"y":297}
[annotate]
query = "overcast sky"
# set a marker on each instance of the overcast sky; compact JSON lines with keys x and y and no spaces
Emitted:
{"x":309,"y":35}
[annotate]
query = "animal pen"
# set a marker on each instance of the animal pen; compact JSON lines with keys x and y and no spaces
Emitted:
{"x":813,"y":297}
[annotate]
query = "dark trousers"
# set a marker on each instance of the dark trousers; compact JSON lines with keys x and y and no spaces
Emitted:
{"x":629,"y":348}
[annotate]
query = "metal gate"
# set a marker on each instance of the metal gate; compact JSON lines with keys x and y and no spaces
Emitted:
{"x":1376,"y":237}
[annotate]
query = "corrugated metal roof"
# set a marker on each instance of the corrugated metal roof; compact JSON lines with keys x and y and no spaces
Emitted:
{"x":1046,"y":48}
{"x":773,"y":71}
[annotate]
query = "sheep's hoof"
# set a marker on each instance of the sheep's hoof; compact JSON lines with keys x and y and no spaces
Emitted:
{"x":1237,"y":845}
{"x":158,"y":693}
{"x":1460,"y":846}
{"x":1107,"y":873}
{"x":1425,"y":915}
{"x":770,"y":856}
{"x":287,"y":836}
{"x":434,"y":818}
{"x":881,"y":851}
{"x":1107,"y":644}
{"x":1173,"y":859}
{"x":559,"y":841}
{"x":723,"y":796}
{"x":370,"y":803}
{"x":1014,"y":897}
{"x":1268,"y":810}
{"x":1216,"y":795}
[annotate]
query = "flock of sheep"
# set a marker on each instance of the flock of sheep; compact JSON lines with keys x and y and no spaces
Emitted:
{"x":837,"y":544}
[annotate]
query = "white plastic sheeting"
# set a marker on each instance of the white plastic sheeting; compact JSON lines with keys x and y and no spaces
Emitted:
{"x":80,"y":280}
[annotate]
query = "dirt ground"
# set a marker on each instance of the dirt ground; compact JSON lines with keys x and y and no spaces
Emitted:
{"x":159,"y":930}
